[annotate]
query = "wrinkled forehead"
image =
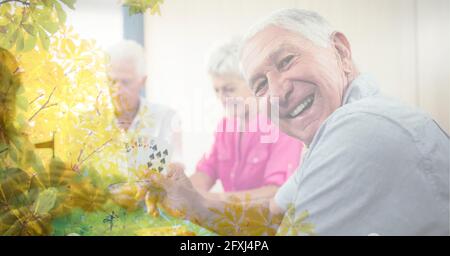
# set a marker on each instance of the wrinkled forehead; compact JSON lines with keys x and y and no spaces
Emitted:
{"x":264,"y":45}
{"x":123,"y":68}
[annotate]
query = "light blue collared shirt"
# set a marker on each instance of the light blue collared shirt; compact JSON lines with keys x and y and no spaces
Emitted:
{"x":374,"y":166}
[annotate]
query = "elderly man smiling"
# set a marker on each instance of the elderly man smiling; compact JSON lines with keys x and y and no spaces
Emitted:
{"x":373,"y":164}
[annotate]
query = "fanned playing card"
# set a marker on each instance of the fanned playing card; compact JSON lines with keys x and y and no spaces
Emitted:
{"x":147,"y":154}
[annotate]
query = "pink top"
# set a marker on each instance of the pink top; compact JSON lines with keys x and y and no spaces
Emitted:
{"x":242,"y":162}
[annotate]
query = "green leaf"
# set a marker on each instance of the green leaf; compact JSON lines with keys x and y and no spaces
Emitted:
{"x":50,"y":26}
{"x":13,"y":154}
{"x":17,"y":19}
{"x":5,"y":8}
{"x":21,"y":120}
{"x":30,"y":29}
{"x":20,"y":43}
{"x":13,"y":38}
{"x":47,"y":3}
{"x":37,"y":165}
{"x":62,"y":16}
{"x":155,"y":10}
{"x":22,"y":102}
{"x":45,"y":201}
{"x":25,"y":16}
{"x":42,"y":15}
{"x":30,"y":42}
{"x":45,"y":40}
{"x":10,"y":29}
{"x":5,"y":43}
{"x":69,"y":3}
{"x":4,"y":21}
{"x":3,"y":148}
{"x":56,"y":168}
{"x":20,"y":90}
{"x":17,"y":141}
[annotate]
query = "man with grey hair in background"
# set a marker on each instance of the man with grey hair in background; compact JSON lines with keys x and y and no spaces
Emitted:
{"x":374,"y":166}
{"x":138,"y":119}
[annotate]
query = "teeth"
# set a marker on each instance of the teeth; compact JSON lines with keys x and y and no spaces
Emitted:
{"x":306,"y":103}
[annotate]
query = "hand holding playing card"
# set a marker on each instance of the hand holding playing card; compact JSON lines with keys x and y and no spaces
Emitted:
{"x":150,"y":181}
{"x":174,"y":192}
{"x":146,"y":158}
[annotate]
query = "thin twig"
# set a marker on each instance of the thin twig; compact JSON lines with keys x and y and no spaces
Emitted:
{"x":84,"y":145}
{"x":51,"y":105}
{"x":18,"y":1}
{"x":97,"y":103}
{"x":44,"y":106}
{"x":91,"y":154}
{"x":35,"y":99}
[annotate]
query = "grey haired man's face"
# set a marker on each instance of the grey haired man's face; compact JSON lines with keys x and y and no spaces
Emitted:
{"x":125,"y":85}
{"x":308,"y":80}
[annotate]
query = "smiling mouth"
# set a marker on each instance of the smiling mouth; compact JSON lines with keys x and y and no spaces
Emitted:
{"x":303,"y":106}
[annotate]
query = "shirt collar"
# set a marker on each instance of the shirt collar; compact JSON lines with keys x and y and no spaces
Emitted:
{"x":361,"y":87}
{"x":137,"y":118}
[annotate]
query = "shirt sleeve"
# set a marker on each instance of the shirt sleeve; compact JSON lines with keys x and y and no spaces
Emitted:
{"x":286,"y":193}
{"x":284,"y":158}
{"x":360,"y":177}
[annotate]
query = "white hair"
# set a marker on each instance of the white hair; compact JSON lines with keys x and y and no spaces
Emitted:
{"x":131,"y":51}
{"x":223,"y":58}
{"x":308,"y":24}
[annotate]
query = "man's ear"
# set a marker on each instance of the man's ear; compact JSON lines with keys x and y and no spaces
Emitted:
{"x":143,"y":82}
{"x":343,"y":50}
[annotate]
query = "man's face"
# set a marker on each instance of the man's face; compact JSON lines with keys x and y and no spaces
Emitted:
{"x":308,"y":79}
{"x":125,"y":86}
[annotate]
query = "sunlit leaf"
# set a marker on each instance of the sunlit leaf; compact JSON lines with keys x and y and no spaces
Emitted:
{"x":22,"y":102}
{"x":45,"y":40}
{"x":69,"y":3}
{"x":30,"y":43}
{"x":4,"y":21}
{"x":50,"y":26}
{"x":13,"y":182}
{"x":62,"y":16}
{"x":30,"y":29}
{"x":13,"y":38}
{"x":45,"y":201}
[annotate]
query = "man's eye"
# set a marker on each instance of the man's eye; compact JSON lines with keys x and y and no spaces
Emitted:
{"x":260,"y":87}
{"x":285,"y":62}
{"x":229,"y":90}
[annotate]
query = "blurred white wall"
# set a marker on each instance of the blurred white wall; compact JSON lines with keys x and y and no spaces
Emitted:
{"x":405,"y":44}
{"x":100,"y":20}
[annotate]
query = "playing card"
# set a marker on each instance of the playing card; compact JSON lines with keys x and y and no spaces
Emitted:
{"x":158,"y":155}
{"x":146,"y":154}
